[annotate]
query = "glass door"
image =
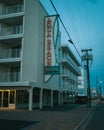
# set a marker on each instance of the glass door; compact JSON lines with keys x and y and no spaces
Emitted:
{"x":5,"y":98}
{"x":0,"y":98}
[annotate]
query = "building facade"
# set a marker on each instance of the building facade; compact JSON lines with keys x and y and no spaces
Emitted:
{"x":26,"y":77}
{"x":82,"y":83}
{"x":69,"y":74}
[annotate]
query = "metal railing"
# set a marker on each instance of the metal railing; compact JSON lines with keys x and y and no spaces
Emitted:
{"x":12,"y":9}
{"x":9,"y":76}
{"x":11,"y":30}
{"x":10,"y":53}
{"x":71,"y":62}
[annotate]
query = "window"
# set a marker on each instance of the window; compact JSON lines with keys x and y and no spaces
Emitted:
{"x":79,"y":82}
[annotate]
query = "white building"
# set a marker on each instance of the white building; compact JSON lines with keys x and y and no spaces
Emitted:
{"x":28,"y":57}
{"x":82,"y":83}
{"x":70,"y":73}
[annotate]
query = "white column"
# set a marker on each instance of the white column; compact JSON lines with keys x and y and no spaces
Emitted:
{"x":41,"y":97}
{"x":62,"y":98}
{"x":59,"y":98}
{"x":51,"y":98}
{"x":30,"y":98}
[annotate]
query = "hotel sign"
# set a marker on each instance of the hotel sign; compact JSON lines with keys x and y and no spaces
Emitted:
{"x":52,"y":70}
{"x":51,"y":33}
{"x":49,"y":57}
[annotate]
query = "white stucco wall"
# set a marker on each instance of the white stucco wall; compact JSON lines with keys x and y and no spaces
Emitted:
{"x":32,"y":60}
{"x":33,"y":46}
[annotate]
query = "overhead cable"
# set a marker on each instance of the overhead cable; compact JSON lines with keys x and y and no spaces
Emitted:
{"x":70,"y":40}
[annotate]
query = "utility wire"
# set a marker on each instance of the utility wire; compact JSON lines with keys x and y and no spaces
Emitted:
{"x":73,"y":21}
{"x":60,"y":18}
{"x":70,"y":40}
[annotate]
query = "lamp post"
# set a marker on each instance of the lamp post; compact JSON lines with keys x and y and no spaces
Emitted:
{"x":87,"y":57}
{"x":100,"y":88}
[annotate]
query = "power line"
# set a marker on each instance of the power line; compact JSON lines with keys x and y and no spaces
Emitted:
{"x":73,"y":21}
{"x":70,"y":40}
{"x":60,"y":18}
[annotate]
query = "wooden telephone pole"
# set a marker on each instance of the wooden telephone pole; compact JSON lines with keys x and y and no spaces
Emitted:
{"x":87,"y":57}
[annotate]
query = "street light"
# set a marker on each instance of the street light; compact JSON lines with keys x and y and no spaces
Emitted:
{"x":70,"y":41}
{"x":100,"y":89}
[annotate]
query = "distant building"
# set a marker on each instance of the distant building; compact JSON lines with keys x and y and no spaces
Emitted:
{"x":93,"y":92}
{"x":82,"y":83}
{"x":32,"y":71}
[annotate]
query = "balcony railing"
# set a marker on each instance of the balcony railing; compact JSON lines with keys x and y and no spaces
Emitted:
{"x":12,"y":9}
{"x":70,"y":61}
{"x":6,"y":31}
{"x":10,"y":77}
{"x":10,"y":53}
{"x":69,"y":76}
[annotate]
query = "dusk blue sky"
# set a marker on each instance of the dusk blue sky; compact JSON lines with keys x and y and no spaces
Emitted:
{"x":84,"y":20}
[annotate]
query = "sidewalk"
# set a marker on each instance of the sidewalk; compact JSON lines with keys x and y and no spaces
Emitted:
{"x":66,"y":117}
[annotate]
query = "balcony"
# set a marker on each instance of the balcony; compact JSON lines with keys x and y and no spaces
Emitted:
{"x":69,"y":77}
{"x":9,"y":77}
{"x":10,"y":56}
{"x":10,"y":53}
{"x":69,"y":63}
{"x":6,"y":10}
{"x":11,"y":30}
{"x":15,"y":33}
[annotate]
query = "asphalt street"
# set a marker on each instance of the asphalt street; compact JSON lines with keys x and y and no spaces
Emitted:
{"x":56,"y":118}
{"x":14,"y":124}
{"x":97,"y":120}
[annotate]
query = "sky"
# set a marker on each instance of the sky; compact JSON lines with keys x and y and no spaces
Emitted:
{"x":84,"y":20}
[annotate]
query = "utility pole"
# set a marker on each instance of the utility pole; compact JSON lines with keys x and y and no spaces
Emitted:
{"x":87,"y":57}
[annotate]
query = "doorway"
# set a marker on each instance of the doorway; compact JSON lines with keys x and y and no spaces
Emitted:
{"x":4,"y":98}
{"x":7,"y":97}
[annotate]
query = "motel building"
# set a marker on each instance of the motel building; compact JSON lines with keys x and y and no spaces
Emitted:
{"x":70,"y":71}
{"x":35,"y":70}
